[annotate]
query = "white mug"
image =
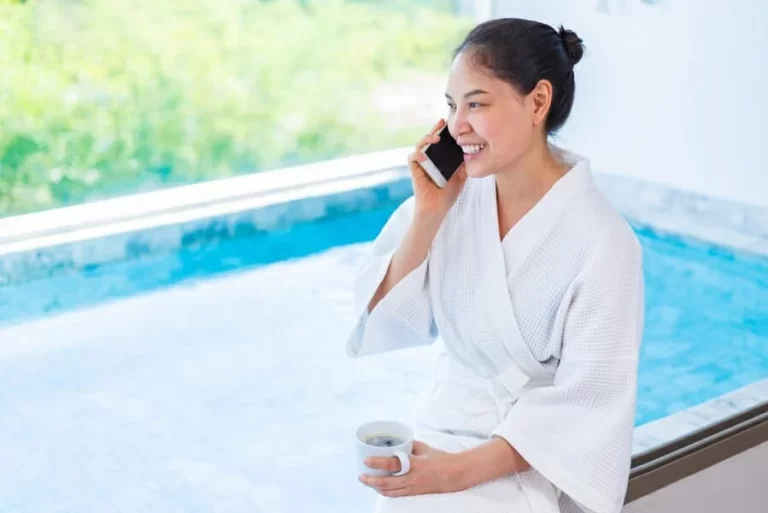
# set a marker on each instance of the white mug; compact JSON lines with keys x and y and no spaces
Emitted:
{"x":384,"y":438}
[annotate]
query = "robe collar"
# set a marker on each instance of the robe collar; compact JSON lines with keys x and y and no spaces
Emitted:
{"x":539,"y":221}
{"x":504,"y":258}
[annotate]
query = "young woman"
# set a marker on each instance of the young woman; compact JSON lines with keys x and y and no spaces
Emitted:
{"x":533,"y":284}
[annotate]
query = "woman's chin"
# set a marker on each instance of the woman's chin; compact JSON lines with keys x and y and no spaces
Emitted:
{"x":476,"y":169}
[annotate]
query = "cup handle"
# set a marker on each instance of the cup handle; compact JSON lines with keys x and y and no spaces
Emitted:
{"x":405,"y":463}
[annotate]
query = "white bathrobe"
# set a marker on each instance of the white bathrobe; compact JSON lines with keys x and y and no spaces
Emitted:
{"x":540,"y":333}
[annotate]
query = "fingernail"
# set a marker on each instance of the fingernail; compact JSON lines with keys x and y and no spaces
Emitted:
{"x":367,"y":462}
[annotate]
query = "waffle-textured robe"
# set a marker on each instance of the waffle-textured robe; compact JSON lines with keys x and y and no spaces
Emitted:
{"x":540,"y":335}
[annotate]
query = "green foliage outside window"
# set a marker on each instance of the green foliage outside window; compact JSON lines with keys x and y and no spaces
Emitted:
{"x":104,"y":97}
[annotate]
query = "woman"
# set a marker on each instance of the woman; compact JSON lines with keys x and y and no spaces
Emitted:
{"x":534,"y":284}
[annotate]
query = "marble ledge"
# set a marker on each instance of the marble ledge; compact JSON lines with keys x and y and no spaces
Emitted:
{"x":740,"y":226}
{"x":653,"y":434}
{"x":663,"y":209}
{"x":97,"y":246}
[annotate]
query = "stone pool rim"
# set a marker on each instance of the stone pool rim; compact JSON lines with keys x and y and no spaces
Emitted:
{"x":165,"y":220}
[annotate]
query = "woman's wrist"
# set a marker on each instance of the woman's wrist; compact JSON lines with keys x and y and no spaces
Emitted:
{"x":492,"y":460}
{"x":427,"y":222}
{"x":422,"y":232}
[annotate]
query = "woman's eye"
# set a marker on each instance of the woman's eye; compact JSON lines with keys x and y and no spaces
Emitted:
{"x":473,"y":105}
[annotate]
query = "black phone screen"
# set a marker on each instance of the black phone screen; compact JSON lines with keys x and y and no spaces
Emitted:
{"x":446,"y":154}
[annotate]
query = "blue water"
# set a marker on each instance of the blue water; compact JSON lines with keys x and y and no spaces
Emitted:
{"x":706,"y":307}
{"x":706,"y":324}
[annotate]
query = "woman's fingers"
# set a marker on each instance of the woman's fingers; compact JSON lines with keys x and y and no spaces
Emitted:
{"x":432,"y":136}
{"x":430,"y":139}
{"x":417,"y":156}
{"x":435,"y":129}
{"x":383,"y":463}
{"x":414,"y":161}
{"x":399,"y":492}
{"x":384,"y":483}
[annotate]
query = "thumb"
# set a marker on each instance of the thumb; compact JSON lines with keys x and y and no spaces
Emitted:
{"x":459,"y":177}
{"x":461,"y":174}
{"x":420,"y":448}
{"x":456,"y":183}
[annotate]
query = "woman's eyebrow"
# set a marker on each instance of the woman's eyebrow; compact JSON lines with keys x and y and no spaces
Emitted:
{"x":473,"y":92}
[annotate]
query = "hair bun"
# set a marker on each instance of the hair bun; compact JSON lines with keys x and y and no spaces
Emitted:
{"x":573,"y":44}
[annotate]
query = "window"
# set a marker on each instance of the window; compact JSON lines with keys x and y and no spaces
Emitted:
{"x":108,"y":98}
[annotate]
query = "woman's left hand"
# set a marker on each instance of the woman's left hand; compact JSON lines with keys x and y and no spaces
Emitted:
{"x":432,"y":471}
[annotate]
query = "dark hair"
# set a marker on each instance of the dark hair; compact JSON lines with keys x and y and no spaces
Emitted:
{"x":523,"y":52}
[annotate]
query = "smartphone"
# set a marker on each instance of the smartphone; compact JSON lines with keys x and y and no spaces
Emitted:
{"x":443,"y":158}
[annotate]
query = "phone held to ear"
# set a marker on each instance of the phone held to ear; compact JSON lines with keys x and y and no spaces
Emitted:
{"x":443,"y":158}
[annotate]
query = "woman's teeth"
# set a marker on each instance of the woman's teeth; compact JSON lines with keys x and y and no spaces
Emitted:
{"x":473,"y":148}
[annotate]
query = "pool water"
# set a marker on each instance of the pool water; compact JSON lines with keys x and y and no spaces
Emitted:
{"x":64,"y":290}
{"x":215,"y":379}
{"x":706,"y":325}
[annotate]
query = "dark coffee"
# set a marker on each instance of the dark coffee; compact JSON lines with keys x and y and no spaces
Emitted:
{"x":384,"y":441}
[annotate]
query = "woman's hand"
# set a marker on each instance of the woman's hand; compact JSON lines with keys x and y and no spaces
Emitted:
{"x":432,"y":471}
{"x":430,"y":199}
{"x":435,"y":471}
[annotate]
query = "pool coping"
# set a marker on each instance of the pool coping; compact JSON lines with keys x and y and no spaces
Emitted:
{"x":34,"y":245}
{"x":192,"y":198}
{"x":703,"y":448}
{"x":689,"y":215}
{"x":654,"y":434}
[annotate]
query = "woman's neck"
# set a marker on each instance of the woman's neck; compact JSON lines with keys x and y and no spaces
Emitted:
{"x":521,"y":186}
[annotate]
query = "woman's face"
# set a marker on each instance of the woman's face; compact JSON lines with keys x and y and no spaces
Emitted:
{"x":493,"y":123}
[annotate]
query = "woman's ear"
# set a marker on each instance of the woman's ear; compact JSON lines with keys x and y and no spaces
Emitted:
{"x":541,"y":98}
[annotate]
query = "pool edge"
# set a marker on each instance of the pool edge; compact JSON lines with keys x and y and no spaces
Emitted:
{"x":126,"y":227}
{"x":656,"y":433}
{"x":131,"y":226}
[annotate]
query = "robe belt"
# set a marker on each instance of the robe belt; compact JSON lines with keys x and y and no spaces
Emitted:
{"x":505,"y":388}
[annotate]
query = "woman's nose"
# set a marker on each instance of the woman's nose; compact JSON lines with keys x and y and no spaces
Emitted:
{"x":459,"y":126}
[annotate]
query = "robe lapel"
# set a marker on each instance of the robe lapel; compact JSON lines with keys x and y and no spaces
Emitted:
{"x":520,"y":243}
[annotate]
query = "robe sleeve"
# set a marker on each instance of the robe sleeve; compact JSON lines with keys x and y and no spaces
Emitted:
{"x":403,"y":318}
{"x":578,"y":432}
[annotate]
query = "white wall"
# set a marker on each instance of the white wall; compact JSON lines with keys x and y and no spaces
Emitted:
{"x":673,"y":91}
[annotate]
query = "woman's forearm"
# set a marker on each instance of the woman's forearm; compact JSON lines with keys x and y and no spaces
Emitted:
{"x":411,"y":253}
{"x":492,"y":460}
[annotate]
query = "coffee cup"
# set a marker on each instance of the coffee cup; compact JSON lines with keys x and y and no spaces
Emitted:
{"x":384,"y":438}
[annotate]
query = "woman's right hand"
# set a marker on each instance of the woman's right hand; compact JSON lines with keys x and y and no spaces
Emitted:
{"x":430,"y":199}
{"x":431,"y":206}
